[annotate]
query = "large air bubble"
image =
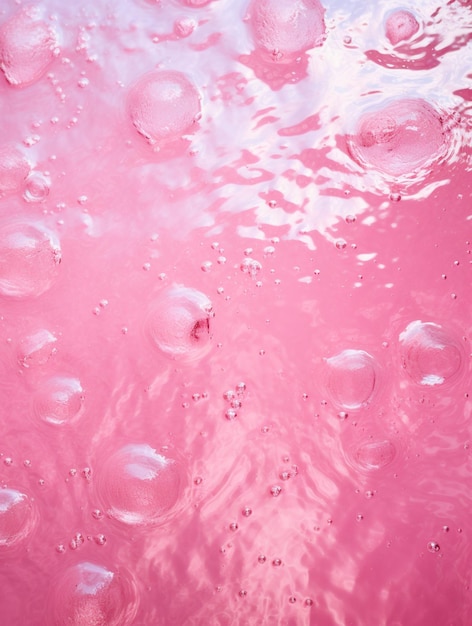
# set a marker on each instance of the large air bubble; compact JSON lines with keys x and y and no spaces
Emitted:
{"x":27,"y":47}
{"x":374,"y":454}
{"x":286,"y":28}
{"x":17,"y":517}
{"x":351,"y":378}
{"x":140,"y":486}
{"x":93,"y":595}
{"x":163,"y":106}
{"x":430,"y":354}
{"x":14,"y":168}
{"x":400,"y":137}
{"x":60,"y":400}
{"x":179,"y":323}
{"x":29,"y":260}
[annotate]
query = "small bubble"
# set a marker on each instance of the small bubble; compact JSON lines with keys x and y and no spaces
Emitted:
{"x":243,"y":593}
{"x":292,"y":599}
{"x":198,"y":480}
{"x":359,"y":517}
{"x":60,"y":548}
{"x":231,"y":414}
{"x":206,"y":266}
{"x":83,"y":82}
{"x":277,"y":562}
{"x":247,"y":511}
{"x":97,"y":514}
{"x":433,"y":546}
{"x":27,"y":463}
{"x":275,"y":491}
{"x":308,"y":602}
{"x":261,"y":559}
{"x":369,"y":494}
{"x":233,"y":526}
{"x":446,"y":529}
{"x":100,"y":539}
{"x":8,"y":461}
{"x":251,"y":267}
{"x":284,"y":475}
{"x":343,"y":415}
{"x":395,"y":197}
{"x":341,"y":244}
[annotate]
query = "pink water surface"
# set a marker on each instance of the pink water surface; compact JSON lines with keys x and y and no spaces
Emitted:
{"x":235,"y":313}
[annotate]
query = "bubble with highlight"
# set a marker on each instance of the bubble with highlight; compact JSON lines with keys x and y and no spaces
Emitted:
{"x":17,"y":517}
{"x":351,"y":378}
{"x":60,"y":400}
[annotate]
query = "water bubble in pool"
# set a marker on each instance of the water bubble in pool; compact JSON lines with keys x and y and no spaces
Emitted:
{"x":351,"y":378}
{"x":37,"y":187}
{"x":179,"y":323}
{"x":163,"y":105}
{"x":430,"y":354}
{"x":90,"y":594}
{"x":286,"y":28}
{"x":29,"y":260}
{"x":374,"y":454}
{"x":399,"y":137}
{"x":400,"y":25}
{"x":17,"y":517}
{"x":36,"y":348}
{"x":27,"y":47}
{"x":140,"y":486}
{"x":14,"y":168}
{"x":60,"y":400}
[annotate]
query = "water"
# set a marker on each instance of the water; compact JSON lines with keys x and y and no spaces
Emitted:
{"x":235,"y":268}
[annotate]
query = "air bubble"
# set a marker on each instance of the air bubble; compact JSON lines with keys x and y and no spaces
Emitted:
{"x":430,"y":354}
{"x":400,"y":26}
{"x":36,"y":348}
{"x":163,"y":106}
{"x":27,"y":47}
{"x":29,"y":260}
{"x":285,"y":28}
{"x":179,"y":323}
{"x":17,"y":517}
{"x":140,"y":486}
{"x":433,"y":547}
{"x":351,"y":378}
{"x":37,"y":187}
{"x":400,"y":137}
{"x":374,"y":455}
{"x":14,"y":168}
{"x":90,"y":594}
{"x":60,"y":400}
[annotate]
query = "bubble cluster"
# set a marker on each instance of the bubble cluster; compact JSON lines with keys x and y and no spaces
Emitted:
{"x":90,"y":594}
{"x":430,"y":354}
{"x":286,"y":28}
{"x":14,"y":168}
{"x":179,"y":323}
{"x":27,"y":47}
{"x":399,"y":137}
{"x":17,"y":517}
{"x":140,"y":486}
{"x":29,"y":260}
{"x":351,"y":378}
{"x":163,"y":106}
{"x":60,"y":400}
{"x":400,"y":25}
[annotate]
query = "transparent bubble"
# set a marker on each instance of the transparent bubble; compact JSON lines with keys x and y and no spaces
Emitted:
{"x":140,"y":486}
{"x":351,"y":378}
{"x":36,"y":187}
{"x":179,"y":323}
{"x":163,"y":105}
{"x":14,"y":168}
{"x":376,"y":454}
{"x":400,"y":137}
{"x":285,"y":28}
{"x":36,"y":348}
{"x":27,"y":47}
{"x":29,"y":260}
{"x":60,"y":400}
{"x":17,"y":517}
{"x":89,"y":594}
{"x":430,"y":354}
{"x":400,"y":25}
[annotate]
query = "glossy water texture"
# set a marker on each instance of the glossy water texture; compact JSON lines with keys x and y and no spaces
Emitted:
{"x":235,"y":313}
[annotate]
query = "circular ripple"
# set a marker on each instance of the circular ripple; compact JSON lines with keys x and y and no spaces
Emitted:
{"x":60,"y":400}
{"x":400,"y":25}
{"x":140,"y":486}
{"x":29,"y":260}
{"x":92,"y":595}
{"x":14,"y":168}
{"x":400,"y":137}
{"x":27,"y":47}
{"x":163,"y":106}
{"x":17,"y":517}
{"x":430,"y":354}
{"x":179,"y":323}
{"x":376,"y":454}
{"x":351,"y":378}
{"x":286,"y":28}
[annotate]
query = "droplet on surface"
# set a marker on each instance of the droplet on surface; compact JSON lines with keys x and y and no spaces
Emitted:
{"x":179,"y":323}
{"x":140,"y":486}
{"x":17,"y":517}
{"x":29,"y":260}
{"x":399,"y":137}
{"x":60,"y":400}
{"x":89,"y":594}
{"x":400,"y":25}
{"x":27,"y":47}
{"x":14,"y":168}
{"x":430,"y":354}
{"x":351,"y":378}
{"x":373,"y":455}
{"x":286,"y":28}
{"x":163,"y":105}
